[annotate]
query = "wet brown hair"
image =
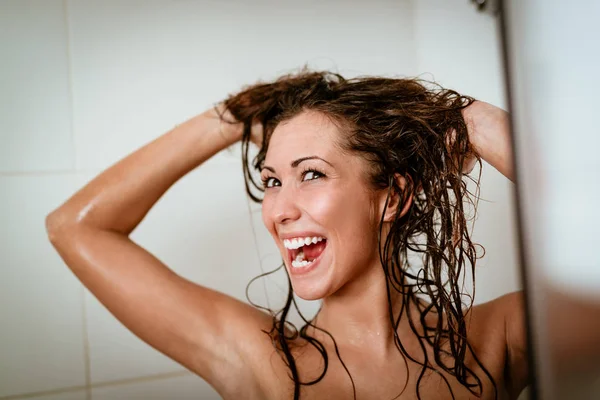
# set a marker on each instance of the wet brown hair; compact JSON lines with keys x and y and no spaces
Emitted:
{"x":400,"y":126}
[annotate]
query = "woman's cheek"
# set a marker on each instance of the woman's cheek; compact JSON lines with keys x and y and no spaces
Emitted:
{"x":267,"y":218}
{"x":324,"y":206}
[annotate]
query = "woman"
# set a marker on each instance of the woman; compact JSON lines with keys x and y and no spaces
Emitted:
{"x":357,"y":175}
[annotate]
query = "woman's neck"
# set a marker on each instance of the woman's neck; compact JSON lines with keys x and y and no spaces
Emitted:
{"x":358,"y":314}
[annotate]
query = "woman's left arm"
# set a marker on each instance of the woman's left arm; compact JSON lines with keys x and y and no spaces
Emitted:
{"x":489,"y":133}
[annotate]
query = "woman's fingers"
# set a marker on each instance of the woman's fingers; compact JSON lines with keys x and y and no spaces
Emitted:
{"x":256,"y":135}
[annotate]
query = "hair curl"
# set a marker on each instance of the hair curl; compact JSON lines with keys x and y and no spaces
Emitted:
{"x":409,"y":127}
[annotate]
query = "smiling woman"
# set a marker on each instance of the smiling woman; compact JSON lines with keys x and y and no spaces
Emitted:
{"x":357,"y":177}
{"x":375,"y":169}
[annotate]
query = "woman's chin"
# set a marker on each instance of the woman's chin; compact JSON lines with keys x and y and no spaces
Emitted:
{"x":310,"y":296}
{"x":311,"y":290}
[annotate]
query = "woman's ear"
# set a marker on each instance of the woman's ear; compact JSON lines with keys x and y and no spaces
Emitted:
{"x":399,"y":197}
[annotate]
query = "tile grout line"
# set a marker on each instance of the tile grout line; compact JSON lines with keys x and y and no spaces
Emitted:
{"x":120,"y":382}
{"x":10,"y":174}
{"x":70,"y":389}
{"x":140,"y":379}
{"x":92,"y":170}
{"x":85,"y":341}
{"x":86,"y":347}
{"x":70,"y":83}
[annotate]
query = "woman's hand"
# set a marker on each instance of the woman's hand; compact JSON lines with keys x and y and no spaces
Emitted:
{"x":232,"y":130}
{"x":489,"y":134}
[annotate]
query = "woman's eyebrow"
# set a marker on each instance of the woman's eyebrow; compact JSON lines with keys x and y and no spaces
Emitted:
{"x":268,"y":168}
{"x":297,"y":162}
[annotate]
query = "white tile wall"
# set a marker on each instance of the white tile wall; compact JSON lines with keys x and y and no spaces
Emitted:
{"x":188,"y":387}
{"x":35,"y":114}
{"x":459,"y":47}
{"x":140,"y":67}
{"x":497,"y":273}
{"x":41,"y":339}
{"x":77,"y":395}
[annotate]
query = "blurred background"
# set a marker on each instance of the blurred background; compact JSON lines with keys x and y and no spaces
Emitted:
{"x":553,"y":59}
{"x":84,"y":83}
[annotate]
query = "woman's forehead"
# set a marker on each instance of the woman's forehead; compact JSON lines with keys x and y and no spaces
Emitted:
{"x":307,"y":134}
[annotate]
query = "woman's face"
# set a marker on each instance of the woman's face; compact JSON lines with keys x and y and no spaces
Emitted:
{"x":318,"y":206}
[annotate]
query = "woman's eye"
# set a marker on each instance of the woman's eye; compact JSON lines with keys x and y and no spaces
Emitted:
{"x":270,"y":182}
{"x":310,"y":175}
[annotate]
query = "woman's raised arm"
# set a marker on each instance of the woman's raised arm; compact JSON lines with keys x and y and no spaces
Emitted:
{"x":489,"y":133}
{"x":194,"y":325}
{"x":119,"y":198}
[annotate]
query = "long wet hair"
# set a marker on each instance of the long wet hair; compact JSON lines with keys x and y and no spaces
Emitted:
{"x":408,"y":127}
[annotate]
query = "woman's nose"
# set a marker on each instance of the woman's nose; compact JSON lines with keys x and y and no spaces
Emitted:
{"x":285,"y":208}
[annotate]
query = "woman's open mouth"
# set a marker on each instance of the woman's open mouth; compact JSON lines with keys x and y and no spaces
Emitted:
{"x":303,"y":251}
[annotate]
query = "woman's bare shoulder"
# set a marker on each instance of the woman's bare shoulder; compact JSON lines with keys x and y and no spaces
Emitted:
{"x":497,"y":309}
{"x":498,"y":332}
{"x":495,"y":320}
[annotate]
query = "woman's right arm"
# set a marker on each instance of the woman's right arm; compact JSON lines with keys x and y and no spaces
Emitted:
{"x":489,"y":133}
{"x":197,"y":327}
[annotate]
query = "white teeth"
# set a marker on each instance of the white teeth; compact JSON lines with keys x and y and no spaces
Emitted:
{"x":298,"y":264}
{"x":296,"y":243}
